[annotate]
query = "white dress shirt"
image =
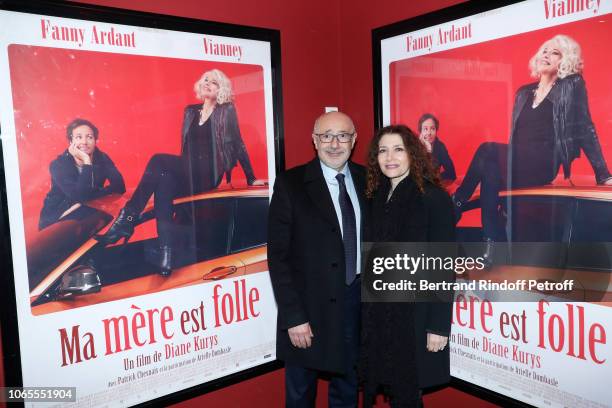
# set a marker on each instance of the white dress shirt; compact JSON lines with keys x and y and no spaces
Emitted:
{"x":334,"y":191}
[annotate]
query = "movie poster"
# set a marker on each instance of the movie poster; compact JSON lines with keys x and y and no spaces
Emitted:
{"x":167,"y":137}
{"x":474,"y":76}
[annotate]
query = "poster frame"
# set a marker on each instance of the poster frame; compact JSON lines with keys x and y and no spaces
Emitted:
{"x":420,"y":22}
{"x":78,"y":11}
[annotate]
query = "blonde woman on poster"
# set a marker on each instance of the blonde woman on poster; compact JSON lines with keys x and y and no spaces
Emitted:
{"x":211,"y":147}
{"x":551,"y":124}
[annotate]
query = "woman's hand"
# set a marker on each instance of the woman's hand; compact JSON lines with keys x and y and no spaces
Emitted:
{"x":80,"y":156}
{"x":436,"y":342}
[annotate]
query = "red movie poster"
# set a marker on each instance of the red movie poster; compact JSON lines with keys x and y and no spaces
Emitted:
{"x":514,"y":105}
{"x":138,"y":164}
{"x":471,"y":89}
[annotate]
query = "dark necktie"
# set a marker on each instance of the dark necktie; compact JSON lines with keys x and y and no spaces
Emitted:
{"x":349,"y":230}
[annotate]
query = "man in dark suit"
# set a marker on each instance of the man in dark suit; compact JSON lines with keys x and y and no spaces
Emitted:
{"x":313,"y":253}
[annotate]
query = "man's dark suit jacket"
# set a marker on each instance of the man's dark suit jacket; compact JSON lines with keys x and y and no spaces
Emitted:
{"x":307,"y":268}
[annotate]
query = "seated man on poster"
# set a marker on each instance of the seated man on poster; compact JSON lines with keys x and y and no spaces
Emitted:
{"x":428,"y":134}
{"x":79,"y":175}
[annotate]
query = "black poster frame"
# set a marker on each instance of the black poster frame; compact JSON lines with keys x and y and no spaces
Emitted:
{"x":434,"y":18}
{"x":8,"y":313}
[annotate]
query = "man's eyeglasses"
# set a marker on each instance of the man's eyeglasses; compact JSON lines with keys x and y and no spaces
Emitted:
{"x":340,"y":137}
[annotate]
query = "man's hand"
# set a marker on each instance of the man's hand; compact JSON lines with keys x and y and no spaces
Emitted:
{"x":301,"y":336}
{"x":436,"y":342}
{"x":427,"y":142}
{"x":80,"y":156}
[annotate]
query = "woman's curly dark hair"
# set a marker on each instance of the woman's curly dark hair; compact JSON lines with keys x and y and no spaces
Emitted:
{"x":421,"y":167}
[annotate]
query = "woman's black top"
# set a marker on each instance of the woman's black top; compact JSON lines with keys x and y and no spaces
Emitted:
{"x":533,"y":156}
{"x":227,"y":145}
{"x":198,"y":156}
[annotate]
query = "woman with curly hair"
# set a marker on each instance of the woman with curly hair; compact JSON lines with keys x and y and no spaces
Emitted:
{"x":551,"y":123}
{"x":404,"y":344}
{"x":211,"y":147}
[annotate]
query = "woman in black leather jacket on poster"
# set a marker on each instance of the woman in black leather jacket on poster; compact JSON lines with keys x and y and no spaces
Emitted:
{"x":551,"y":123}
{"x":211,"y":146}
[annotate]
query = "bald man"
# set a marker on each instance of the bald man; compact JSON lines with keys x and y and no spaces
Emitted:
{"x":314,"y":233}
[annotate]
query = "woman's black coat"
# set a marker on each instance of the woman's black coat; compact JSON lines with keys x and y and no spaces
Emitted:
{"x":411,"y":216}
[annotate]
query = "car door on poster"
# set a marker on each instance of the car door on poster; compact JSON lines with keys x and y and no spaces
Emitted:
{"x":138,"y":161}
{"x":514,"y":98}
